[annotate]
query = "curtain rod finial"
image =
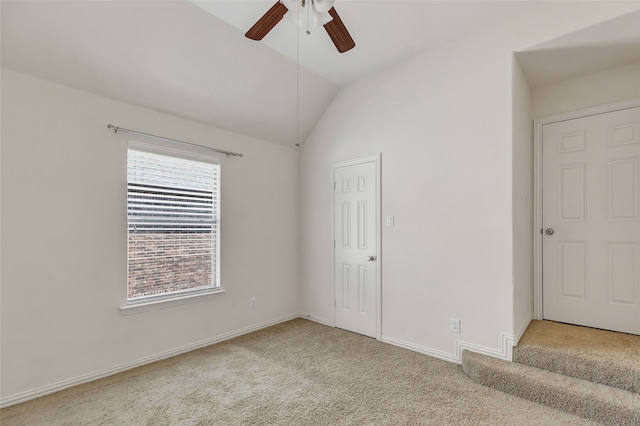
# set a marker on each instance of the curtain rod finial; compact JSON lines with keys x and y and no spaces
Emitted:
{"x":114,"y":128}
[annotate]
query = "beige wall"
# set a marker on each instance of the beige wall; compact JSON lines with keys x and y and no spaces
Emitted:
{"x":613,"y":85}
{"x":64,"y":238}
{"x":452,"y":126}
{"x":522,"y":202}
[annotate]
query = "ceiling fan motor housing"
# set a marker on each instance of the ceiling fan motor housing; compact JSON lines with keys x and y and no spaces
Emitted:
{"x":320,"y":13}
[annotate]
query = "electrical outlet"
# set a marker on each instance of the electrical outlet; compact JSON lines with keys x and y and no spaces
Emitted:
{"x":253,"y":303}
{"x":455,"y":325}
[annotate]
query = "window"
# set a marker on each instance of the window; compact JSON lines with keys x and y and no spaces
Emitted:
{"x":173,"y":206}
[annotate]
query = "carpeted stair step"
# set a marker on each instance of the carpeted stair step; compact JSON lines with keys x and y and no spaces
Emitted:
{"x":577,"y":365}
{"x":594,"y":401}
{"x":589,"y":354}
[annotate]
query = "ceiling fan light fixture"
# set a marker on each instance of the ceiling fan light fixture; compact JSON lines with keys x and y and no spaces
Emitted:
{"x":318,"y":19}
{"x":315,"y":16}
{"x":319,"y":13}
{"x":323,"y":6}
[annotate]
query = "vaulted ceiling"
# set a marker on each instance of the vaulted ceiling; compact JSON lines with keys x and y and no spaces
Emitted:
{"x":191,"y":59}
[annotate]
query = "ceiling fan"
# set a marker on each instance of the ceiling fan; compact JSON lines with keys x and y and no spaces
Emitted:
{"x":313,"y":13}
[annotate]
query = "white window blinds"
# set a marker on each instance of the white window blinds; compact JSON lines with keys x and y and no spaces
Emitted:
{"x":173,"y":222}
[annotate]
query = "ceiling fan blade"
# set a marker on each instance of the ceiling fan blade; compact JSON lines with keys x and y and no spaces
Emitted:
{"x":338,"y":33}
{"x":267,"y":22}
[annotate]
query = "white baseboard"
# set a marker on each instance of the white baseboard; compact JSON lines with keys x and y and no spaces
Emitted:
{"x":55,"y":387}
{"x":436,"y":353}
{"x":314,"y":318}
{"x":505,"y":351}
{"x":522,"y":329}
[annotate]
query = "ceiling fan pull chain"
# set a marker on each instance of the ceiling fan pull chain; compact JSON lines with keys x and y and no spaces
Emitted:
{"x":309,"y":10}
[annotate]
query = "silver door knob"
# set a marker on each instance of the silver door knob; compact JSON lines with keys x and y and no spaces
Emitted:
{"x":549,"y":231}
{"x":371,"y":258}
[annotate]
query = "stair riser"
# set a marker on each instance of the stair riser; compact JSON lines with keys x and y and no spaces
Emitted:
{"x":596,"y":402}
{"x":585,"y":369}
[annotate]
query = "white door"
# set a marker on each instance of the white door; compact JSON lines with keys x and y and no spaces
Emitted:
{"x":356,"y":247}
{"x":591,"y":240}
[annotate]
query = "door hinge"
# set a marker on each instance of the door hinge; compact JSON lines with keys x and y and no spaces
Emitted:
{"x":334,"y":303}
{"x":334,"y":185}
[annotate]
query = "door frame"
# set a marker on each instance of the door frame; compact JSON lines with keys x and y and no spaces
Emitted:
{"x":537,"y":184}
{"x":373,"y":158}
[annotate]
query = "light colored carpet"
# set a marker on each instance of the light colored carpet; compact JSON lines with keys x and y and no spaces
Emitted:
{"x":586,"y":353}
{"x":296,"y":373}
{"x":603,"y":404}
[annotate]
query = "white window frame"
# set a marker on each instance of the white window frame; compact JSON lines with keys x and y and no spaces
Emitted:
{"x":142,"y":304}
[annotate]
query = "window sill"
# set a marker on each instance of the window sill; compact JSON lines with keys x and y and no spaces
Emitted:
{"x":152,"y":305}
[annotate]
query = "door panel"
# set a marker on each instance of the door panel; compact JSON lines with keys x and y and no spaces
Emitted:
{"x":355,"y":240}
{"x":591,"y":259}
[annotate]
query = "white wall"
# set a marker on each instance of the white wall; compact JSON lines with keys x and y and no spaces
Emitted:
{"x":613,"y":85}
{"x":449,"y":127}
{"x":445,"y":126}
{"x":64,"y":238}
{"x":522,"y":202}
